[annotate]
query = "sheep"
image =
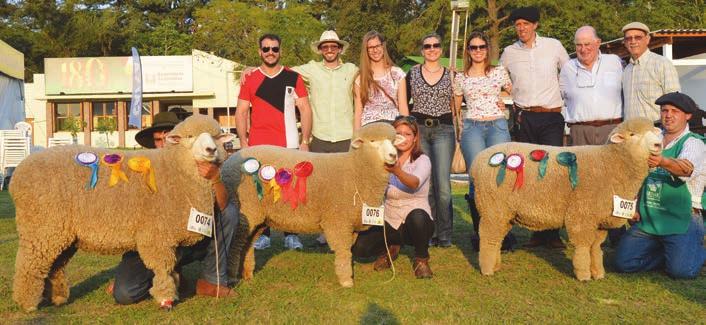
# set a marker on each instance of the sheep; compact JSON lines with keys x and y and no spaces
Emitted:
{"x":53,"y":223}
{"x":337,"y":188}
{"x":617,"y":168}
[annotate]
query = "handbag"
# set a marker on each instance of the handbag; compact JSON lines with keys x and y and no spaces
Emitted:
{"x":458,"y":164}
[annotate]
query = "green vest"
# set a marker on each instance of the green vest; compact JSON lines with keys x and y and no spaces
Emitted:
{"x":665,"y":201}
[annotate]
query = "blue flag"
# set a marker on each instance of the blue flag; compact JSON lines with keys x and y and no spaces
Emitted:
{"x":135,"y":116}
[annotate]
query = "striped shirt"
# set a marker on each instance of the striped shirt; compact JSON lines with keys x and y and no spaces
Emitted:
{"x":694,"y":151}
{"x":645,"y":80}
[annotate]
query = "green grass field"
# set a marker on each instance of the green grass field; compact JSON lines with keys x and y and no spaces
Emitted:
{"x":534,"y":286}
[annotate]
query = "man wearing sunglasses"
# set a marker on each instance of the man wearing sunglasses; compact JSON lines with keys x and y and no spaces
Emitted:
{"x":534,"y":62}
{"x":647,"y":76}
{"x":267,"y":101}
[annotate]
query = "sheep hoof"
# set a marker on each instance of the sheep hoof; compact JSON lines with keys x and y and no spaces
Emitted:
{"x":598,"y":276}
{"x":487,"y":273}
{"x":166,"y":305}
{"x":583,"y":278}
{"x":30,"y":309}
{"x":59,"y":300}
{"x":347,"y":284}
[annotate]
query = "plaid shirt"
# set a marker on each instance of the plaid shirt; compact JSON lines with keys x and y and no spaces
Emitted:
{"x":645,"y":80}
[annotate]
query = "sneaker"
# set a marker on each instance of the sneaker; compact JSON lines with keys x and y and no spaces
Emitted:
{"x":321,"y":240}
{"x":292,"y":242}
{"x":262,"y":243}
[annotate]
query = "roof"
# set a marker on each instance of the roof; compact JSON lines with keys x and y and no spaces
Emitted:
{"x":694,"y":40}
{"x":13,"y":61}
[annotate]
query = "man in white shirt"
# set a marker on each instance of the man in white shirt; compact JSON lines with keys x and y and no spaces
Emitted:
{"x":534,"y":62}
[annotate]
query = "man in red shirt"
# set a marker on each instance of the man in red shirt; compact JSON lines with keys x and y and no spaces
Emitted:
{"x":267,"y":100}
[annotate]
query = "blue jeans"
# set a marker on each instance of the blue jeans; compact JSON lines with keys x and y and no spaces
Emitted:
{"x":439,"y":143}
{"x":479,"y":135}
{"x":682,"y":255}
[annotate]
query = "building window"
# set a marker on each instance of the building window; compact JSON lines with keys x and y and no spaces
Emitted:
{"x":104,"y":116}
{"x":146,"y":114}
{"x":68,"y":117}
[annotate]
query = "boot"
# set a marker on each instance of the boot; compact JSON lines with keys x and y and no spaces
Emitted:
{"x":421,"y":268}
{"x":383,"y":262}
{"x":508,"y":243}
{"x":475,"y":217}
{"x":205,"y":288}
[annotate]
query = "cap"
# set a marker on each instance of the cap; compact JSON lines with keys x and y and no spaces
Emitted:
{"x":636,"y":25}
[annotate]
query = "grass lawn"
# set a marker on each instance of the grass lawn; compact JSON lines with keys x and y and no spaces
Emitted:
{"x":534,"y":286}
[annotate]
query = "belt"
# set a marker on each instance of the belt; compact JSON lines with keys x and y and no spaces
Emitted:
{"x":696,"y":211}
{"x":598,"y":122}
{"x":540,"y":109}
{"x":432,"y":122}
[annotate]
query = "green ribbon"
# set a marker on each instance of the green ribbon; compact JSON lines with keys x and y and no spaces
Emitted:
{"x":253,"y":173}
{"x":542,"y":157}
{"x":498,"y":160}
{"x":501,"y":173}
{"x":568,"y":159}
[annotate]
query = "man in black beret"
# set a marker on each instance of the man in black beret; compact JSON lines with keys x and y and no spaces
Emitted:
{"x":533,"y":63}
{"x":669,"y":229}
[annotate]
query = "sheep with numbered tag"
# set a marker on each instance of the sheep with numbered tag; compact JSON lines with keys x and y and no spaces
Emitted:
{"x":336,"y":190}
{"x":617,"y":168}
{"x":57,"y":214}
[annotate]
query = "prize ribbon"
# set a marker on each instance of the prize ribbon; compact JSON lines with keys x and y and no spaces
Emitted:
{"x":542,"y":157}
{"x":114,"y":162}
{"x":516,"y":163}
{"x":568,"y":159}
{"x":250,"y":166}
{"x":267,"y":175}
{"x":144,"y":166}
{"x":283,"y":177}
{"x":302,"y":170}
{"x":90,"y":160}
{"x":498,"y":159}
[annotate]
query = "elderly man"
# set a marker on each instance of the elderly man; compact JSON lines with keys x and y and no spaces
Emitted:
{"x":534,"y":62}
{"x":647,"y":76}
{"x":669,"y":231}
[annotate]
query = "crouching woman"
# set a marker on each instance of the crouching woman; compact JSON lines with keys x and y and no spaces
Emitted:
{"x":407,"y":210}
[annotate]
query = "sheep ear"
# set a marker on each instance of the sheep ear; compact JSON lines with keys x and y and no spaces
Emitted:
{"x":356,"y":143}
{"x":617,"y":138}
{"x":225,"y":137}
{"x":657,"y":131}
{"x":173,"y":138}
{"x":399,"y":139}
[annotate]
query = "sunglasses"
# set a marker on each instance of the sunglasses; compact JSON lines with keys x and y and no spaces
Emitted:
{"x":265,"y":49}
{"x":329,"y":47}
{"x":477,"y":47}
{"x":637,"y":38}
{"x":408,"y":118}
{"x":430,"y":46}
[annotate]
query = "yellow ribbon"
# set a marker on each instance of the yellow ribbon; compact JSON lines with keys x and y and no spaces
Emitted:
{"x":144,"y":166}
{"x":116,"y":172}
{"x":276,"y":191}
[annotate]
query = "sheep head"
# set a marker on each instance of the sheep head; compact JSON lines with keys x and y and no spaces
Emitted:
{"x":639,"y":135}
{"x":380,"y":138}
{"x":202,"y":135}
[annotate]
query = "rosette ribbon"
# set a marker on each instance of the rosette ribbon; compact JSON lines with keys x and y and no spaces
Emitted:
{"x":516,"y":163}
{"x":302,"y":170}
{"x":542,"y":157}
{"x":114,"y":162}
{"x":568,"y":159}
{"x":251,"y":166}
{"x":89,"y":160}
{"x":144,"y":166}
{"x":267,"y":175}
{"x":498,"y":159}
{"x":283,"y":177}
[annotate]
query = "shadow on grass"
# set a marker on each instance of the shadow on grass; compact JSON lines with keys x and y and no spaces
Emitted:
{"x":375,"y":314}
{"x":90,"y":284}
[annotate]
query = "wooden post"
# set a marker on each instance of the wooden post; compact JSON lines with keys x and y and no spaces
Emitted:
{"x":88,"y":118}
{"x":121,"y":122}
{"x":51,"y":119}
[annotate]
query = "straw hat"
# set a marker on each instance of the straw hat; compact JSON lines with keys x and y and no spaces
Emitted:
{"x":329,"y":36}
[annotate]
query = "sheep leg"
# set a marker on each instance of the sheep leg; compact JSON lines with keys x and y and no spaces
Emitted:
{"x":161,"y":260}
{"x":491,"y":237}
{"x":597,"y":270}
{"x":341,"y":240}
{"x":582,"y":241}
{"x":58,"y":288}
{"x":249,"y":261}
{"x":33,"y":265}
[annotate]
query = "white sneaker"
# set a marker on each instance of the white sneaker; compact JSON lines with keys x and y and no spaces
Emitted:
{"x":292,"y":242}
{"x":262,"y":243}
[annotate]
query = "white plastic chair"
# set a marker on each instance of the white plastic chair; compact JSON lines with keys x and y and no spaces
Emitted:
{"x":55,"y":142}
{"x":14,"y":149}
{"x":25,"y":128}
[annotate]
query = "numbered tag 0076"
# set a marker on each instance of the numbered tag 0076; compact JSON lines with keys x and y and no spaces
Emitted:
{"x":200,"y":222}
{"x":373,"y":216}
{"x":623,"y":208}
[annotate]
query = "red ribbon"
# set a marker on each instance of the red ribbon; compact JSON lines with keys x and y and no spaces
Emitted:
{"x":519,"y":169}
{"x":302,"y":170}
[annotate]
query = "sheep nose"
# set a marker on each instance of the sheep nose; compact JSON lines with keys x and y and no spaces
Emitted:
{"x":210,"y":150}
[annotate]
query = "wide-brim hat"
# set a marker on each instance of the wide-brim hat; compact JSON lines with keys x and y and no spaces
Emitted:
{"x":682,"y":102}
{"x":164,"y":121}
{"x":328,"y":37}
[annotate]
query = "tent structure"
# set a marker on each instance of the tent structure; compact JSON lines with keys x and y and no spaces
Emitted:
{"x":11,"y":87}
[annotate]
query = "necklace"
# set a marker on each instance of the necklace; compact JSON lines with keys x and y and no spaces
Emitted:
{"x":435,"y":71}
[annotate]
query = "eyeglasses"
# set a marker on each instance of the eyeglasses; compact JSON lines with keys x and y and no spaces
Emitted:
{"x":582,"y":82}
{"x":477,"y":47}
{"x":329,"y":47}
{"x":375,"y":47}
{"x":636,"y":38}
{"x":430,"y":46}
{"x":265,"y":49}
{"x":408,"y":118}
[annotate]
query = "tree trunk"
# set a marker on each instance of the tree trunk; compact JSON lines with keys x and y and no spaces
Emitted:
{"x":494,"y":32}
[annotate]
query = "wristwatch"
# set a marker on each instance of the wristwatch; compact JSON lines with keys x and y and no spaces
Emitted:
{"x":306,"y":141}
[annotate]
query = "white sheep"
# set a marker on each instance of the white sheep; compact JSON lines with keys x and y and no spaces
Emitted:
{"x":617,"y":168}
{"x":56,"y":213}
{"x":337,"y":188}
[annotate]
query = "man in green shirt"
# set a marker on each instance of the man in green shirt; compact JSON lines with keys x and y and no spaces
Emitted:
{"x":669,"y":229}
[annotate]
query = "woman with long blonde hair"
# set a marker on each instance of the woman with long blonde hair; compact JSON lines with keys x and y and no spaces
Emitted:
{"x":380,"y":94}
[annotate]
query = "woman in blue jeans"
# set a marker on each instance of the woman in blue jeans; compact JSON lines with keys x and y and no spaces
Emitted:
{"x":484,"y":122}
{"x":429,"y":86}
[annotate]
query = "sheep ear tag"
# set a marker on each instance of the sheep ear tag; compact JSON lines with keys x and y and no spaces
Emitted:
{"x":114,"y":162}
{"x":542,"y":157}
{"x":516,"y":163}
{"x":568,"y":159}
{"x":90,"y":160}
{"x":498,"y":159}
{"x":200,"y":223}
{"x":373,"y":216}
{"x":251,"y":166}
